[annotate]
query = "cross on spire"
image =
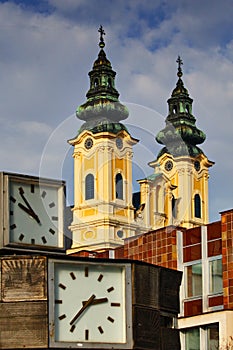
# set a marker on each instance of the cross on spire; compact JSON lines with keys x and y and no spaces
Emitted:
{"x":180,"y":63}
{"x":102,"y":33}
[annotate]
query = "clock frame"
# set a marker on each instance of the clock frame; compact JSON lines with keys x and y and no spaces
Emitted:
{"x":90,"y":304}
{"x":32,"y":210}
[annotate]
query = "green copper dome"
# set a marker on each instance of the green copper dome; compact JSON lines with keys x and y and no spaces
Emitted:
{"x":102,"y":110}
{"x":180,"y":135}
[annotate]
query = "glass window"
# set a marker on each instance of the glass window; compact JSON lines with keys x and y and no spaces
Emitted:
{"x":119,"y":186}
{"x":89,"y":187}
{"x":197,"y":206}
{"x":194,"y":280}
{"x":215,"y":270}
{"x":213,"y":337}
{"x":192,"y":339}
{"x":210,"y":337}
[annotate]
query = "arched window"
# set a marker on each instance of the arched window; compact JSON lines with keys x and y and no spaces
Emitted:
{"x":174,"y":207}
{"x":197,"y":206}
{"x":119,"y":186}
{"x":89,"y":187}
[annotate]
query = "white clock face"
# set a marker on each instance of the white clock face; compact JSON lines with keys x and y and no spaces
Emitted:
{"x":34,"y":214}
{"x":89,"y":303}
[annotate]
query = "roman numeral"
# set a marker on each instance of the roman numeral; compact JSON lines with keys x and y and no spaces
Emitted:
{"x":86,"y":334}
{"x":32,"y":188}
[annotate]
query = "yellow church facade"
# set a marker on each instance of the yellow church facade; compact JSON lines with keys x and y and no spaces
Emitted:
{"x":176,"y":193}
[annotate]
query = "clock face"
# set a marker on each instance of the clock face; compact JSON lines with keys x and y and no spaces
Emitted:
{"x":35,"y":213}
{"x":88,"y":143}
{"x":88,"y":304}
{"x":168,"y":165}
{"x":119,"y":143}
{"x":197,"y":165}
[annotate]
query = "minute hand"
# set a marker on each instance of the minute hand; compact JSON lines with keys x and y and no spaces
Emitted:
{"x":89,"y":302}
{"x":32,"y":213}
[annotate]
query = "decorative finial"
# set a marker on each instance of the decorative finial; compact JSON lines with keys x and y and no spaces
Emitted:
{"x":102,"y":32}
{"x":180,"y":63}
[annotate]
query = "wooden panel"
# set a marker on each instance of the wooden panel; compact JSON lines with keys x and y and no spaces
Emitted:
{"x":215,"y":300}
{"x":146,"y":285}
{"x":170,"y":339}
{"x":24,"y":278}
{"x":23,"y":325}
{"x":193,"y":307}
{"x":146,"y":328}
{"x":169,"y":283}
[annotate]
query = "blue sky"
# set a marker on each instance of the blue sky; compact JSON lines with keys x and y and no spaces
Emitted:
{"x":48,"y":47}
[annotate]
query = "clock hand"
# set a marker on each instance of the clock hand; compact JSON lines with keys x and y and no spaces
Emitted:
{"x":97,"y":301}
{"x":29,"y":212}
{"x":83,"y":308}
{"x":32,"y":213}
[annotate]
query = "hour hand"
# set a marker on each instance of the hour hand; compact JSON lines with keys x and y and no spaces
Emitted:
{"x":97,"y":301}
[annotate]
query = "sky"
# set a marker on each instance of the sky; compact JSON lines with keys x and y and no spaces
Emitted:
{"x":47,"y":48}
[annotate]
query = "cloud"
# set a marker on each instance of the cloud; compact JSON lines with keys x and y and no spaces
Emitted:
{"x":48,"y":48}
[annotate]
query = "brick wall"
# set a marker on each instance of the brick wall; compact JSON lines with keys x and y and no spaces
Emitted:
{"x":227,"y":257}
{"x":156,"y":247}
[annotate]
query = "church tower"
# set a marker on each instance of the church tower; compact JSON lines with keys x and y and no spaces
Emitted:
{"x":177,"y":192}
{"x":103,"y":214}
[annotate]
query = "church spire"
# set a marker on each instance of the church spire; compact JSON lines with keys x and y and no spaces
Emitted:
{"x":180,"y":136}
{"x":102,"y":111}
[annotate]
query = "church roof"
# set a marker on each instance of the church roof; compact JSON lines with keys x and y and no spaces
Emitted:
{"x":102,"y":110}
{"x":180,"y":135}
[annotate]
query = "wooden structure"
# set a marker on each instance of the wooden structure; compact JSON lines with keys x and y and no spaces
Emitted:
{"x":24,"y":304}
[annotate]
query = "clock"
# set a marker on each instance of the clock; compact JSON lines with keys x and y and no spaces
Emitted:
{"x":33,"y":211}
{"x":168,"y":165}
{"x":88,"y":143}
{"x":119,"y":143}
{"x":88,"y":306}
{"x":197,"y":165}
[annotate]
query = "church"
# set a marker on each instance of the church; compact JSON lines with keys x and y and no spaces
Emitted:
{"x":164,"y":225}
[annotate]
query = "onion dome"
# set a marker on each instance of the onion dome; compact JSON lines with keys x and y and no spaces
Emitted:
{"x":102,"y":111}
{"x":180,"y":136}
